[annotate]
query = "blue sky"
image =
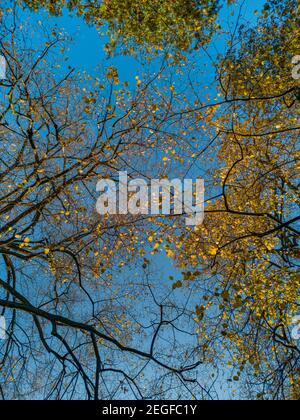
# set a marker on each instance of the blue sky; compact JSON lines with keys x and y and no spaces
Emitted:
{"x":86,"y":53}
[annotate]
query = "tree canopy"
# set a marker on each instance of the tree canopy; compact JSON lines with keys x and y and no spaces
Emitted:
{"x":94,"y":309}
{"x":154,"y":24}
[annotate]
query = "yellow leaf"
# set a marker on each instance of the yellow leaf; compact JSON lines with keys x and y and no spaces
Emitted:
{"x":177,"y":285}
{"x":213,"y":250}
{"x":170,"y":253}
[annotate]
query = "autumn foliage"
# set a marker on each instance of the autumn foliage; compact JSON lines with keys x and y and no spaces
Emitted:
{"x":92,"y":303}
